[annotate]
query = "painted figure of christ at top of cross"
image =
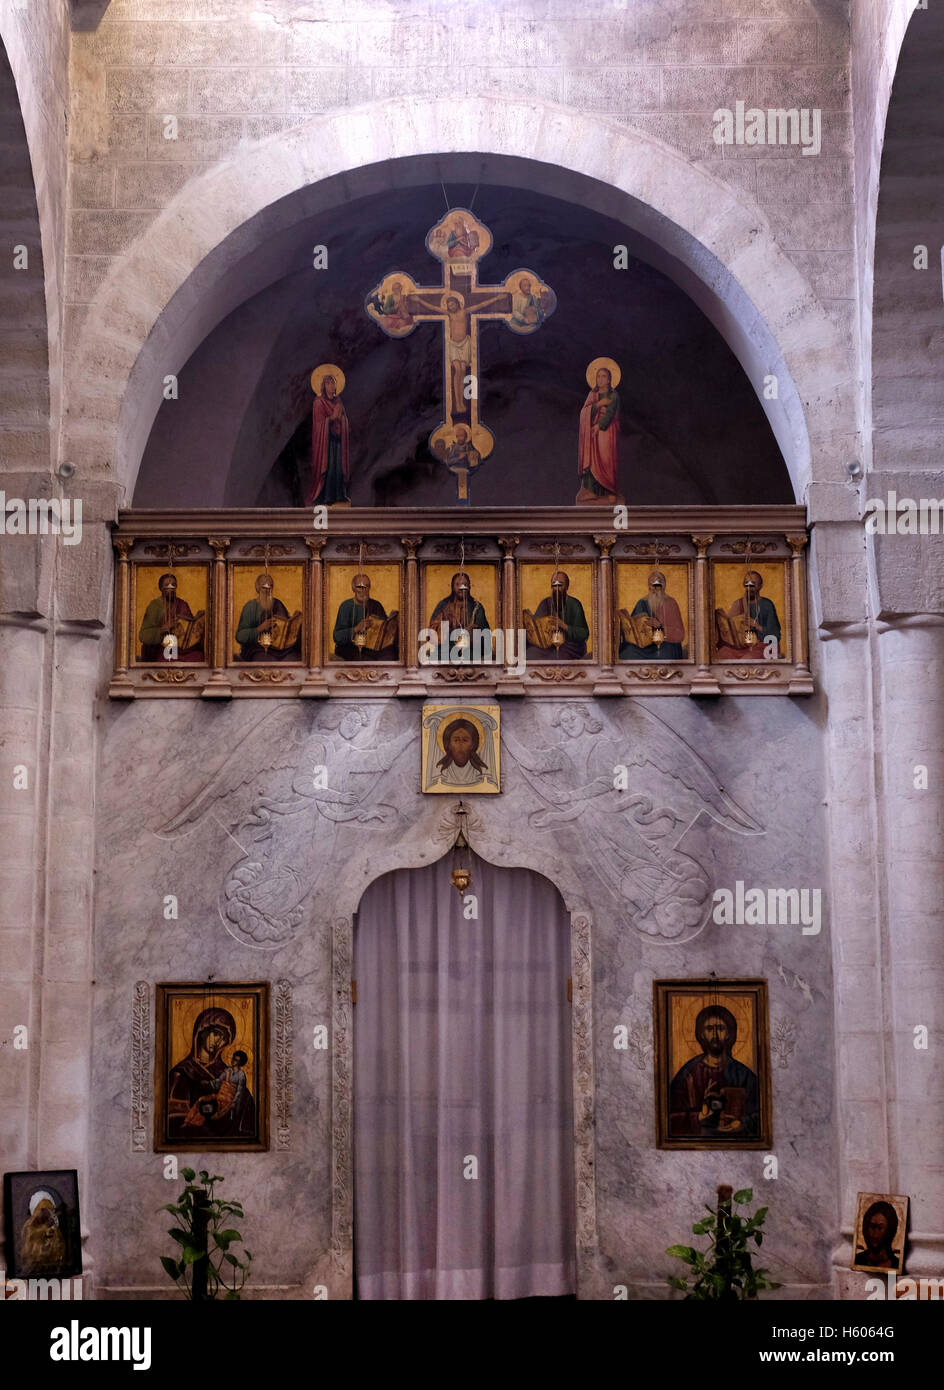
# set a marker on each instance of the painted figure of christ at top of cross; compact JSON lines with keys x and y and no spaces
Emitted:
{"x":523,"y":301}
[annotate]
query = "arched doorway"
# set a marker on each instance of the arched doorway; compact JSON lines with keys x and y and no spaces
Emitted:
{"x":463,"y":1095}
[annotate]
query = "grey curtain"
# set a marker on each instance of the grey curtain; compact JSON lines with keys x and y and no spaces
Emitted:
{"x":463,"y":1112}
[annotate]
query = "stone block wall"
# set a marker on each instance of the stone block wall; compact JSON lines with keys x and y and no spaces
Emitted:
{"x":232,"y":75}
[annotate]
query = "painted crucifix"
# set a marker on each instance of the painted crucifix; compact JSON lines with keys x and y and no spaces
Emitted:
{"x":523,"y":301}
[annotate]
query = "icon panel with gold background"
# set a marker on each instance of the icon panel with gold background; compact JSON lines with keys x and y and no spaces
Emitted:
{"x":653,"y":619}
{"x":461,"y":749}
{"x":345,"y":613}
{"x":742,"y":1087}
{"x":538,"y":616}
{"x":741,"y":622}
{"x":266,"y":613}
{"x":240,"y":1012}
{"x":436,"y":589}
{"x":181,"y":615}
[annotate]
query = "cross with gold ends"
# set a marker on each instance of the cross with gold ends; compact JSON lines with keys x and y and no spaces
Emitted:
{"x":522,"y":301}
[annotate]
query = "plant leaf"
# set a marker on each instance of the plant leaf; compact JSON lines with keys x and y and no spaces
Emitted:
{"x":682,"y":1252}
{"x":746,"y":1194}
{"x":177,"y":1234}
{"x":188,"y":1174}
{"x":171,"y":1267}
{"x":677,"y":1282}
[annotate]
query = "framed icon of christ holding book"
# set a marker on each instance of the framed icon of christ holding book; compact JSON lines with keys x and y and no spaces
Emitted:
{"x":712,"y":1064}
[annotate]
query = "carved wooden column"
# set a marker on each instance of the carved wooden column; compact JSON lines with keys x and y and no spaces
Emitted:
{"x":218,"y":686}
{"x":412,"y":682}
{"x":801,"y":682}
{"x":704,"y":682}
{"x":510,"y":682}
{"x":120,"y":687}
{"x":606,"y":683}
{"x":314,"y":683}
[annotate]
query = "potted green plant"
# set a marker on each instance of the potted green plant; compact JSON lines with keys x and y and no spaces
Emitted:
{"x":725,"y":1271}
{"x":206,"y":1267}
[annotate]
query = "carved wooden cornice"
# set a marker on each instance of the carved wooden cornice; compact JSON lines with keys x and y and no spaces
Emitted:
{"x":275,"y":522}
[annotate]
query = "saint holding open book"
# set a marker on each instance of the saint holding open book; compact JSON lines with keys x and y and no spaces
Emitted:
{"x":654,"y":629}
{"x":362,"y":629}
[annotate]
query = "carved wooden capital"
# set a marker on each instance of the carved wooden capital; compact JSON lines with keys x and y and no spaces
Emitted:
{"x":606,"y":544}
{"x":701,"y":544}
{"x":316,"y":545}
{"x":508,"y":544}
{"x":411,"y":545}
{"x":796,"y":543}
{"x":219,"y":545}
{"x":123,"y":544}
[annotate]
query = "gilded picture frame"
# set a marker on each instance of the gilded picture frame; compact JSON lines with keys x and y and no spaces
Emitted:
{"x":880,"y":1233}
{"x":211,"y":1068}
{"x":712,"y":1064}
{"x":461,"y":749}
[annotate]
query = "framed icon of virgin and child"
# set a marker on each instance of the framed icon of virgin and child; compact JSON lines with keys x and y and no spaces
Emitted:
{"x":211,"y":1068}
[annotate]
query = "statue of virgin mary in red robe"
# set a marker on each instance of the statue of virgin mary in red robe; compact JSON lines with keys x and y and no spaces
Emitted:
{"x":599,"y":429}
{"x":330,"y":445}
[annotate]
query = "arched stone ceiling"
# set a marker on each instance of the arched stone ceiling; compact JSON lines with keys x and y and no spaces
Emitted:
{"x":24,"y":345}
{"x":692,"y":427}
{"x":225,"y":236}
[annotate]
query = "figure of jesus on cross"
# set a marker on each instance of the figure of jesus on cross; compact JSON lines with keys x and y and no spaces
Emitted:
{"x":398,"y":304}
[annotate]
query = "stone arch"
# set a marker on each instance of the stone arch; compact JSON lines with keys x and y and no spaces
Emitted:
{"x":172,"y":285}
{"x":29,"y":342}
{"x":336,"y":1269}
{"x":878,"y":29}
{"x":24,"y":347}
{"x":906,"y":302}
{"x":26,"y":335}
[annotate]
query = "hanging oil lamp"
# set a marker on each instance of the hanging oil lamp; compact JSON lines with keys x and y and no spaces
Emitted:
{"x":360,"y":638}
{"x":750,"y":636}
{"x":265,"y":638}
{"x":658,"y":631}
{"x":461,"y":855}
{"x":463,"y":638}
{"x":169,"y":638}
{"x":557,"y":637}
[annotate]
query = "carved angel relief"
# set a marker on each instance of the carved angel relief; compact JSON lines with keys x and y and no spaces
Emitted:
{"x":297,"y":775}
{"x":620,"y":792}
{"x":631,"y":834}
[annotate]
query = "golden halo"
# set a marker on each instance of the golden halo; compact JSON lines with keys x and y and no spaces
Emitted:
{"x":451,"y":294}
{"x":448,"y":719}
{"x":611,"y":366}
{"x":327,"y":369}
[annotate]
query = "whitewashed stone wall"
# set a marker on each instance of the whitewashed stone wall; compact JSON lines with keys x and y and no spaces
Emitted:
{"x":258,"y":89}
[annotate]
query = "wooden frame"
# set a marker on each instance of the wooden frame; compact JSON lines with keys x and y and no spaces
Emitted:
{"x":240,"y":1010}
{"x":689,"y":1115}
{"x":504,"y":538}
{"x":650,"y":563}
{"x":892,"y":1211}
{"x":43,"y":1230}
{"x":486,"y":721}
{"x":331,"y":565}
{"x":253,"y":569}
{"x":717,"y":565}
